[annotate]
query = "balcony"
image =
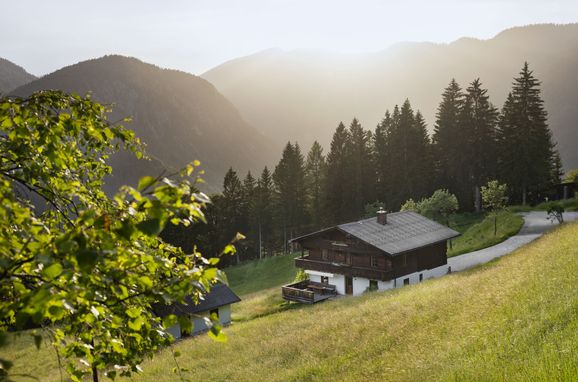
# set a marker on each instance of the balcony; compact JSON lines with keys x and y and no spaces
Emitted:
{"x":344,"y":269}
{"x":308,"y":292}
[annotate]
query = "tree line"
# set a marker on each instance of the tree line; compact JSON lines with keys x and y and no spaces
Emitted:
{"x":472,"y":143}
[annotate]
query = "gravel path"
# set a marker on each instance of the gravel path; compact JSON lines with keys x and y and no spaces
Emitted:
{"x":535,"y":224}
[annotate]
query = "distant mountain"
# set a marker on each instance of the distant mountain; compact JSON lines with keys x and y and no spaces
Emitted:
{"x":302,"y":95}
{"x":180,"y":117}
{"x":12,"y":76}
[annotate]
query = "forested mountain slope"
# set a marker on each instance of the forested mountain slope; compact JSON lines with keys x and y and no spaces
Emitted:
{"x":180,"y":117}
{"x":12,"y":76}
{"x":302,"y":95}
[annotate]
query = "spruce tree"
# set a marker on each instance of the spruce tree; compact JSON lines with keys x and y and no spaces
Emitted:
{"x":447,"y":138}
{"x":315,"y":173}
{"x":334,"y":185}
{"x":231,"y":204}
{"x":381,"y":157}
{"x":479,"y":119}
{"x":424,"y":168}
{"x":526,"y":148}
{"x":248,"y":217}
{"x":289,"y":179}
{"x":359,"y":181}
{"x":407,"y":171}
{"x":264,"y":214}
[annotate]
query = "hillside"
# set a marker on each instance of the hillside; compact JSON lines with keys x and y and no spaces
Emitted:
{"x":302,"y":95}
{"x":12,"y":76}
{"x":180,"y":117}
{"x":513,"y":319}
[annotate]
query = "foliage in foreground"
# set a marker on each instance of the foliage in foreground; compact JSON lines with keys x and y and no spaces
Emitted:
{"x":83,"y":266}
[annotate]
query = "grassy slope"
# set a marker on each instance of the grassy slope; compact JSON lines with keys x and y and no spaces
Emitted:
{"x":513,"y":319}
{"x":258,"y":283}
{"x":481,"y":234}
{"x":568,"y":204}
{"x":257,"y":275}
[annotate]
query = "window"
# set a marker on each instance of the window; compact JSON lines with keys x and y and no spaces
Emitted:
{"x":324,"y":254}
{"x":373,"y":285}
{"x":324,"y":279}
{"x":406,"y":281}
{"x":216,"y":311}
{"x":420,"y":277}
{"x":374,"y":261}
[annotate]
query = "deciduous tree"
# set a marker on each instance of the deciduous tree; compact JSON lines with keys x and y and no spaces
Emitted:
{"x":84,"y":266}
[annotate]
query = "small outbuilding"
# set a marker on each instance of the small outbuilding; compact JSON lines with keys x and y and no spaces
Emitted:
{"x":217,"y":301}
{"x":384,"y":252}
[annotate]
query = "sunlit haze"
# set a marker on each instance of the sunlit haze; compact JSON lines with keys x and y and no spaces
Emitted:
{"x":194,"y":36}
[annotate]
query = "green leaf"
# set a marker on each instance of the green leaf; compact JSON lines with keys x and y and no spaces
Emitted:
{"x":186,"y":324}
{"x":150,"y":227}
{"x":229,"y":249}
{"x":145,"y":182}
{"x":87,"y":260}
{"x":52,"y":271}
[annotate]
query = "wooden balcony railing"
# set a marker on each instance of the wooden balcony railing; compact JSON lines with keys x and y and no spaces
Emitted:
{"x":308,"y":292}
{"x":344,"y":269}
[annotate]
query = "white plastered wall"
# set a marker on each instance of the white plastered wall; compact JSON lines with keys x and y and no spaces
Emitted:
{"x":361,"y":284}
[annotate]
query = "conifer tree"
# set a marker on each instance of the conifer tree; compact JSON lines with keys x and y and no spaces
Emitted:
{"x":334,"y":188}
{"x":447,"y":138}
{"x":382,"y":158}
{"x":408,"y":167}
{"x":359,"y":181}
{"x":248,"y":217}
{"x":479,"y":122}
{"x":264,"y":214}
{"x":289,"y":178}
{"x":526,"y":148}
{"x":424,"y":171}
{"x":231,"y":205}
{"x":315,"y":172}
{"x":557,"y":169}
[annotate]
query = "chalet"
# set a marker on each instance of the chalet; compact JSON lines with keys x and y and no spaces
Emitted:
{"x":218,"y":301}
{"x":384,"y":252}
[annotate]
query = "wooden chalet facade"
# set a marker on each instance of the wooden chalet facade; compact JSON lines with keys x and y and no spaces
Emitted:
{"x":388,"y":251}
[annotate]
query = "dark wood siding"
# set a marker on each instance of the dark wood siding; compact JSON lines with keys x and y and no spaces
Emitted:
{"x":335,"y":247}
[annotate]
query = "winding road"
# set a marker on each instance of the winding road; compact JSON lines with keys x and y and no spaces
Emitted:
{"x":535,"y":224}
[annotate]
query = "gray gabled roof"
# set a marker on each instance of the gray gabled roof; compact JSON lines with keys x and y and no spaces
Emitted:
{"x":404,"y":231}
{"x":219,"y":295}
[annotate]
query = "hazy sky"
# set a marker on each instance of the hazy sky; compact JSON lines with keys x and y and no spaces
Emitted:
{"x":195,"y":35}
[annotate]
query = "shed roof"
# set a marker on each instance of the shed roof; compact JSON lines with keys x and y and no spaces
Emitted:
{"x":219,"y":295}
{"x":404,"y":231}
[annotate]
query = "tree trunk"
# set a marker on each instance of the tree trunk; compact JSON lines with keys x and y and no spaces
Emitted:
{"x":260,"y":243}
{"x":478,"y":199}
{"x":448,"y":224}
{"x":94,"y":374}
{"x":94,"y":369}
{"x":524,"y":195}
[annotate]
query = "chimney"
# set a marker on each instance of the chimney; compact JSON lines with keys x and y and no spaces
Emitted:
{"x":382,"y":216}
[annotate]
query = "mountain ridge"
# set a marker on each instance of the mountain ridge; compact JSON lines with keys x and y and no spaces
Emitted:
{"x":12,"y":76}
{"x":288,"y":98}
{"x":180,"y":117}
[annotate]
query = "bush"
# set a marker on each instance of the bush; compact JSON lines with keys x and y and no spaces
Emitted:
{"x":301,"y":275}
